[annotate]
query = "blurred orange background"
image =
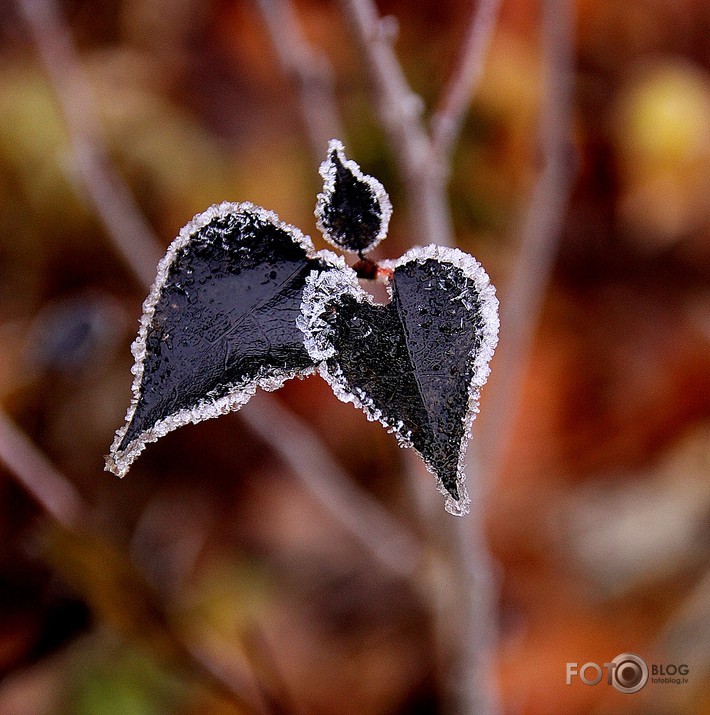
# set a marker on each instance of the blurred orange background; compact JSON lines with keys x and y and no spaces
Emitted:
{"x":599,"y":517}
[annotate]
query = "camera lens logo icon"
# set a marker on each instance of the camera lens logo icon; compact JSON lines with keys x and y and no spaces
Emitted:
{"x":629,"y":674}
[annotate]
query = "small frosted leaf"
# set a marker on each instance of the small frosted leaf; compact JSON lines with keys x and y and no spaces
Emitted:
{"x":219,"y":322}
{"x":416,"y":364}
{"x":353,"y":210}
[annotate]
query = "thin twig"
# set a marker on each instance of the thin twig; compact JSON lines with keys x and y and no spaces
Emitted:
{"x":463,"y":594}
{"x":525,"y":289}
{"x":423,"y":156}
{"x":425,"y":166}
{"x":462,"y":85}
{"x":123,"y":221}
{"x":54,"y":492}
{"x":400,"y":111}
{"x":472,"y":682}
{"x":363,"y":517}
{"x":399,"y":107}
{"x":309,"y":72}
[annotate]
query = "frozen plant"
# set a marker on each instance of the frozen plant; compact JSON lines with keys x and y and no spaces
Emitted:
{"x":242,"y":300}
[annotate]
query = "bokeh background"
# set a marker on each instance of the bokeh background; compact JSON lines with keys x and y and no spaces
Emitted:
{"x":598,"y":517}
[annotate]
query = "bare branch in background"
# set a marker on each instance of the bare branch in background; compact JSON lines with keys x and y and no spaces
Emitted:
{"x":423,"y":156}
{"x":542,"y":226}
{"x":308,"y":70}
{"x":54,"y":492}
{"x":449,"y":116}
{"x":401,"y":113}
{"x":123,"y":221}
{"x":473,"y":679}
{"x":400,"y":109}
{"x":388,"y":541}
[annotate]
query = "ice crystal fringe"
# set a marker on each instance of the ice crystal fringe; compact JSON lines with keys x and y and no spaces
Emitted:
{"x":322,"y":289}
{"x":328,"y":171}
{"x":321,"y":292}
{"x":119,"y":461}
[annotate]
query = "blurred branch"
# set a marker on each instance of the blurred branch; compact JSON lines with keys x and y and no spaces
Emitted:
{"x":61,"y":501}
{"x":463,"y":594}
{"x":309,"y":72}
{"x":50,"y":488}
{"x":473,"y":682}
{"x":363,"y":517}
{"x":399,"y":107}
{"x":123,"y":221}
{"x":424,"y":161}
{"x":540,"y":234}
{"x":423,"y":156}
{"x":449,"y":116}
{"x":400,"y":111}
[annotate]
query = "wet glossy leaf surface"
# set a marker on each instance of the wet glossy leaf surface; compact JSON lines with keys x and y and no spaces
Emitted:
{"x":353,"y":211}
{"x":411,"y":363}
{"x":225,"y":317}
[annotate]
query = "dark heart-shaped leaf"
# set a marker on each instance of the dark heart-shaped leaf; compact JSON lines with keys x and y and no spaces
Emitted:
{"x":353,"y":210}
{"x":219,"y":322}
{"x":417,"y":363}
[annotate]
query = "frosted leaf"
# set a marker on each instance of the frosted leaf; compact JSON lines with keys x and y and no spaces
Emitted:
{"x":417,"y":364}
{"x":322,"y":292}
{"x":220,"y":321}
{"x":353,"y":210}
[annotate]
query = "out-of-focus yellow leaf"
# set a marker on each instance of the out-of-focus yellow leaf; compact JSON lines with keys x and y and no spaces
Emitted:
{"x":662,"y":134}
{"x":34,"y":154}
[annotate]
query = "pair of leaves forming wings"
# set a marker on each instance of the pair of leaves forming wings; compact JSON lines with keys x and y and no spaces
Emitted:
{"x":242,"y":300}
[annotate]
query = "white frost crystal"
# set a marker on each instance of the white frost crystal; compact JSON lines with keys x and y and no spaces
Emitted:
{"x":118,"y":461}
{"x":357,"y":208}
{"x":328,"y":171}
{"x":323,"y":292}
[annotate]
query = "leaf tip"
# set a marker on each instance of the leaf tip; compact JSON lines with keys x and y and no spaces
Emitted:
{"x":353,"y":210}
